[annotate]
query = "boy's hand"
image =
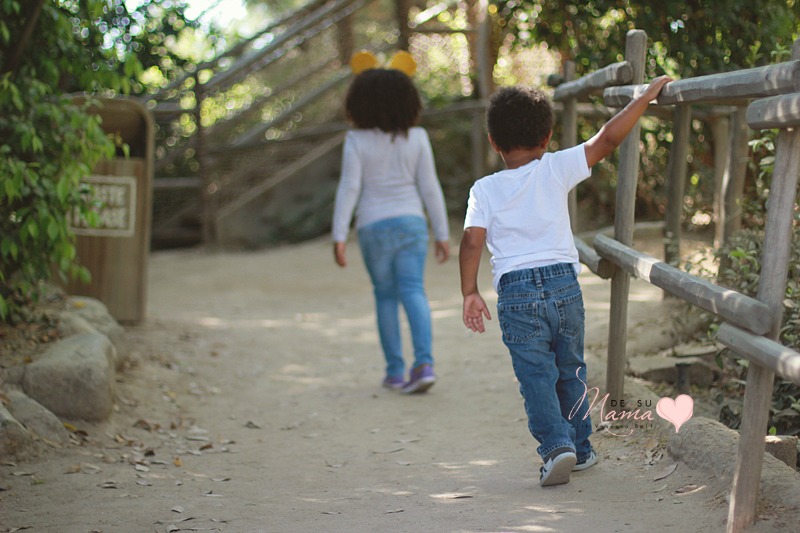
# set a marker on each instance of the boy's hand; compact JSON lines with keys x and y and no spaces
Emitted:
{"x":339,"y":254}
{"x":474,"y":311}
{"x":655,"y":86}
{"x":615,"y":130}
{"x":442,"y":251}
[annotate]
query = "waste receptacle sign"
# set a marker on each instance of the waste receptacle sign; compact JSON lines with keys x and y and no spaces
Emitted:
{"x":115,"y":197}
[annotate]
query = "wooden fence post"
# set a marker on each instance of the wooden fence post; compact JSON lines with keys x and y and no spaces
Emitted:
{"x":483,"y":76}
{"x":208,"y":216}
{"x":404,"y":32}
{"x":676,"y":182}
{"x":635,"y":52}
{"x":733,"y":186}
{"x":720,"y":127}
{"x":771,"y":291}
{"x":569,"y":135}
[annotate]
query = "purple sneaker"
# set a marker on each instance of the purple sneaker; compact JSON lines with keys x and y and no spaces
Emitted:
{"x":420,"y":380}
{"x":393,"y":382}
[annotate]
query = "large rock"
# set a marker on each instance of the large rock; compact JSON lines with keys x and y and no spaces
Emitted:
{"x":706,"y":444}
{"x":14,"y":438}
{"x":36,"y":418}
{"x":74,"y":378}
{"x":83,"y":315}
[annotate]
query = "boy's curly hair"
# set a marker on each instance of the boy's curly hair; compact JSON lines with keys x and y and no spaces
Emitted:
{"x":519,"y":117}
{"x":383,"y":98}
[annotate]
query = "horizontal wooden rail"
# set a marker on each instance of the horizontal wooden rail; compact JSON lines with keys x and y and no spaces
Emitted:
{"x":737,"y":85}
{"x":173,"y":184}
{"x":256,"y":135}
{"x":614,"y":74}
{"x":778,"y":358}
{"x":734,"y":307}
{"x":286,"y":172}
{"x":775,"y":112}
{"x":239,"y":48}
{"x":589,"y":257}
{"x":254,"y":61}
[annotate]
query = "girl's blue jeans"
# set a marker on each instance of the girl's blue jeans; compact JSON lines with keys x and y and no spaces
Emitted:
{"x":394,"y":252}
{"x":541,"y":315}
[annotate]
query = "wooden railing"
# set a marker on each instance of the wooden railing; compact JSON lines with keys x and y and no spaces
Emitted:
{"x":750,"y":325}
{"x":241,"y":156}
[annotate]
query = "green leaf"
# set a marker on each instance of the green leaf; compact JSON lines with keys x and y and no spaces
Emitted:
{"x":62,"y":190}
{"x":52,"y":229}
{"x":32,"y":229}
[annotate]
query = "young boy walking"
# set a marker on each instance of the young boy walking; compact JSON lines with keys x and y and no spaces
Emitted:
{"x":520,"y":214}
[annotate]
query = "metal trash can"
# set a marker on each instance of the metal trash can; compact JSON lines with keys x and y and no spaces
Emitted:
{"x":116,"y":252}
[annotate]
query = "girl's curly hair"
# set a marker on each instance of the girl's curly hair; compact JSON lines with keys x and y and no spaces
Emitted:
{"x":383,"y":98}
{"x":519,"y":117}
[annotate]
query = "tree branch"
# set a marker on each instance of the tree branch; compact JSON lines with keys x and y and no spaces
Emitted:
{"x":16,"y":54}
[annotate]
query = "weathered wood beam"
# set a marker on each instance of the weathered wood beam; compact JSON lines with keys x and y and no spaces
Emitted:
{"x":624,"y":218}
{"x":775,"y":112}
{"x":589,"y":257}
{"x":677,"y":166}
{"x":325,"y":17}
{"x":614,"y":74}
{"x":766,"y":352}
{"x":286,"y":172}
{"x":729,"y":86}
{"x":734,"y":307}
{"x":239,"y":48}
{"x":256,"y":135}
{"x":771,"y":291}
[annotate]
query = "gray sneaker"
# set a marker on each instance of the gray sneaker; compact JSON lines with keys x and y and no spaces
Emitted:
{"x":586,"y":463}
{"x":557,"y":467}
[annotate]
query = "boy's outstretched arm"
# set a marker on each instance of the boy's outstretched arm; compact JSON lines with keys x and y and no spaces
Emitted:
{"x":617,"y":128}
{"x":469,"y":259}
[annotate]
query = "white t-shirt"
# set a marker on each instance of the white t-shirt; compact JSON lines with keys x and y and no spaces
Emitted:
{"x":386,"y":176}
{"x":525,"y":212}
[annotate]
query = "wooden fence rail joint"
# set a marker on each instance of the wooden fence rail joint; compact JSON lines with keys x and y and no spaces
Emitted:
{"x":737,"y":85}
{"x":775,"y":112}
{"x":780,"y":359}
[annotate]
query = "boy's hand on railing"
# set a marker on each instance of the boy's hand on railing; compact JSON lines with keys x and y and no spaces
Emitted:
{"x":652,"y":91}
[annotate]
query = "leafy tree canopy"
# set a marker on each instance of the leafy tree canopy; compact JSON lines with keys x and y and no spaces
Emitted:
{"x":689,"y":38}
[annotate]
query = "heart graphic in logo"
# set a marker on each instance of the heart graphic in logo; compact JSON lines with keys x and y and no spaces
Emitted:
{"x":676,"y":411}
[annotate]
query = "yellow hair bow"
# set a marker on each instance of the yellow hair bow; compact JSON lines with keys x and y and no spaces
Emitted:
{"x":365,"y":60}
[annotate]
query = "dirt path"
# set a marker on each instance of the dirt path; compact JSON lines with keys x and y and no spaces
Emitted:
{"x":257,"y":407}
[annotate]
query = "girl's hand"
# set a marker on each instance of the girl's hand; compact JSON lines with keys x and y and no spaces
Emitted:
{"x":442,"y":251}
{"x":339,"y":254}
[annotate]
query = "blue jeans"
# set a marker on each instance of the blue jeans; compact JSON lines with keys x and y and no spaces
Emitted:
{"x":541,"y":316}
{"x":394,"y":252}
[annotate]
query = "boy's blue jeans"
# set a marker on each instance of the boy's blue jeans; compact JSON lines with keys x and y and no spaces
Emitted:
{"x":394,"y":252}
{"x":541,"y":316}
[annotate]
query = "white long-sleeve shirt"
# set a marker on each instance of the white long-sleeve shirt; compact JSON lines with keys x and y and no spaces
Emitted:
{"x":386,"y":176}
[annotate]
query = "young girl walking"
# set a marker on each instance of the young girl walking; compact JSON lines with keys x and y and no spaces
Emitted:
{"x":389,"y":181}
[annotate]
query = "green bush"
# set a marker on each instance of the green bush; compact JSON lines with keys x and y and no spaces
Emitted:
{"x":49,"y":145}
{"x":742,"y":257}
{"x":739,"y":269}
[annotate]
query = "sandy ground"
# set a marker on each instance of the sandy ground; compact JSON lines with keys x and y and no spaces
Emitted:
{"x":256,"y":407}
